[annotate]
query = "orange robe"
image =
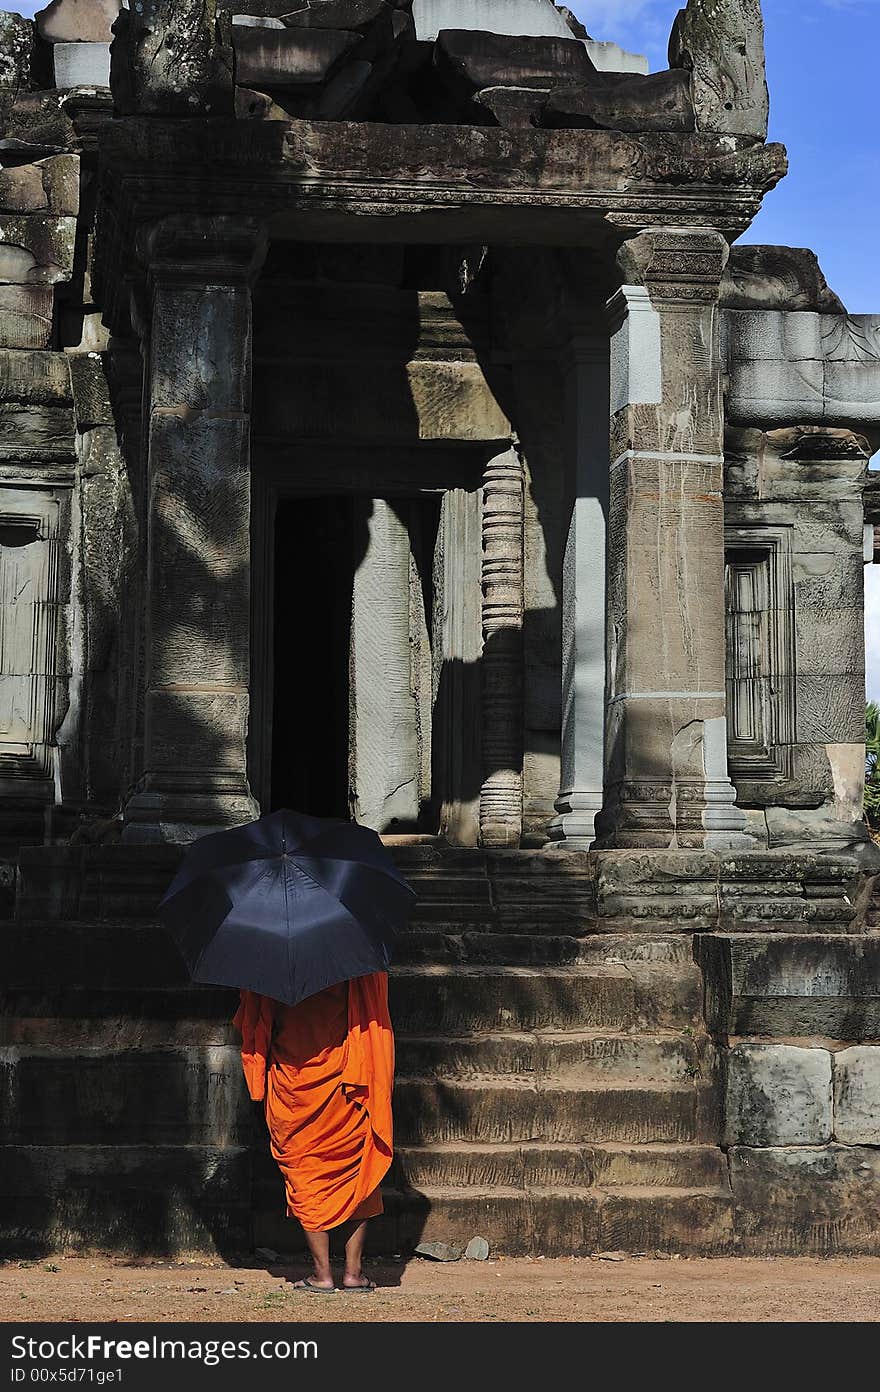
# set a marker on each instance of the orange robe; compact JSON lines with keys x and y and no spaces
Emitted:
{"x":324,"y":1069}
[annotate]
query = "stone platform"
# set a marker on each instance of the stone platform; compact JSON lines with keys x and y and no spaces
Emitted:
{"x":630,"y":1051}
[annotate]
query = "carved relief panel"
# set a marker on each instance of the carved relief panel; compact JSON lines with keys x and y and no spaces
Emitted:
{"x":760,"y":654}
{"x":30,"y":560}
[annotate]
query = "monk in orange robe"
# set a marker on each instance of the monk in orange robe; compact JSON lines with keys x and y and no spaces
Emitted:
{"x":324,"y":1069}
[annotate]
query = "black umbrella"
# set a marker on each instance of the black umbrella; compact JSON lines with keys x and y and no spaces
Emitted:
{"x":287,"y":905}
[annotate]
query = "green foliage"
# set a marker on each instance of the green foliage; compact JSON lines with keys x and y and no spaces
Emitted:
{"x":872,"y":763}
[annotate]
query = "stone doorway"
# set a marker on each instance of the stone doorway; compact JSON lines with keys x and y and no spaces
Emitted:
{"x":358,"y":684}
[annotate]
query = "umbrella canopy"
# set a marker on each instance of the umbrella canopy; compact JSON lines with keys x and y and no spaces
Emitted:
{"x":287,"y":905}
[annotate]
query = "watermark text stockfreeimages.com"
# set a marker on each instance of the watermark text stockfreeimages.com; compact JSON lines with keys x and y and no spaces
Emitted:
{"x":91,"y":1348}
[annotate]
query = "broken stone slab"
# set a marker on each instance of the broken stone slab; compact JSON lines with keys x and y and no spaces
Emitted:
{"x":36,"y":249}
{"x":77,"y":21}
{"x":269,"y":59}
{"x":258,"y":106}
{"x":659,"y":102}
{"x":776,"y":277}
{"x":256,"y":22}
{"x":477,"y":1249}
{"x":857,"y":1095}
{"x":81,"y":64}
{"x":778,"y":1095}
{"x":26,"y":315}
{"x":439,"y":1251}
{"x":16,"y":50}
{"x":473,"y":61}
{"x":721,"y":43}
{"x":169,"y":57}
{"x":514,"y":107}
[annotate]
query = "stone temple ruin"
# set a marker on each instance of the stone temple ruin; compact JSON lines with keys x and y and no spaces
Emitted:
{"x":390,"y":429}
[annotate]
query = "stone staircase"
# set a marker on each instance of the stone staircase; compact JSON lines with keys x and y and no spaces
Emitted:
{"x":555,"y":1091}
{"x":554,"y":1094}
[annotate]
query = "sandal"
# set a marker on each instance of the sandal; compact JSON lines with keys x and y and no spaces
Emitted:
{"x":364,"y":1287}
{"x":307,"y":1284}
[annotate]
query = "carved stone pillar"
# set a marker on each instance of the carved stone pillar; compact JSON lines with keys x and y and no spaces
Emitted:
{"x":583,"y":595}
{"x":502,"y":661}
{"x":666,"y":778}
{"x":197,"y":622}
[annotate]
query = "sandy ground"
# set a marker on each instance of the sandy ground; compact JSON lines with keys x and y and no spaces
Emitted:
{"x":588,"y":1290}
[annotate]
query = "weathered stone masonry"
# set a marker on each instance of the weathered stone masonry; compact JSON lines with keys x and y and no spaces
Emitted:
{"x":393,"y":427}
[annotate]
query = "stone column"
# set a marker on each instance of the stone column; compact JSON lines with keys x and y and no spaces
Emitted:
{"x":501,"y":795}
{"x":197,"y":622}
{"x":583,"y":595}
{"x":666,"y":781}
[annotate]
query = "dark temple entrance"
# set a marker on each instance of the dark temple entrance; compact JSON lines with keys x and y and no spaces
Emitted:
{"x":313,"y":584}
{"x":356,"y":668}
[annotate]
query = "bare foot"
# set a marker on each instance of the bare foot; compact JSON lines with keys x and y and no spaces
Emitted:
{"x":311,"y":1283}
{"x":357,"y":1281}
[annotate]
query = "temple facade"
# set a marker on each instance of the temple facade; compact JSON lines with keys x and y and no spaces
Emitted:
{"x":395,"y":429}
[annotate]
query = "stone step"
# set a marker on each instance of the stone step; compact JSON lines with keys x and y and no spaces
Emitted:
{"x":467,"y":999}
{"x":552,"y":1222}
{"x":575,"y":1056}
{"x":427,"y":1111}
{"x":141,"y":1200}
{"x":545,"y":1166}
{"x":534,"y":947}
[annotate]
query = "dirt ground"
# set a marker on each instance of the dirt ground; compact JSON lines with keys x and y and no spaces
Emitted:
{"x":603,"y":1289}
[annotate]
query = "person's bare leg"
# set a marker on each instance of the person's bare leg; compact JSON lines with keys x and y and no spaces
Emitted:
{"x":319,"y":1247}
{"x":354,"y":1274}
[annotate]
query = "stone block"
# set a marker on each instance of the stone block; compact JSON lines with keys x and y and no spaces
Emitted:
{"x":272,"y":60}
{"x":81,"y":64}
{"x":810,"y":1201}
{"x":36,"y":433}
{"x":537,"y":18}
{"x":78,"y":21}
{"x":16,"y":48}
{"x":777,"y":1095}
{"x":21,"y":189}
{"x":792,"y":984}
{"x":660,"y":102}
{"x":38,"y":118}
{"x":38,"y":379}
{"x":473,"y":61}
{"x":26,"y":315}
{"x":36,"y":249}
{"x":857,"y":1095}
{"x":91,"y":391}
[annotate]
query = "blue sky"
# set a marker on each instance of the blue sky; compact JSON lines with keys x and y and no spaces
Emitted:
{"x":822,"y":72}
